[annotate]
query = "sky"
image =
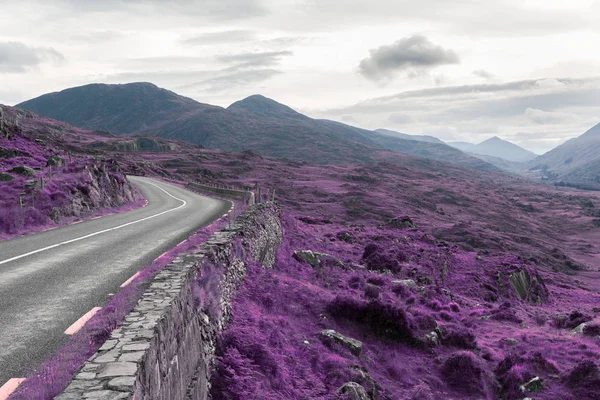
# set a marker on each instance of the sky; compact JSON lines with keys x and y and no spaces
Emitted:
{"x":461,"y":70}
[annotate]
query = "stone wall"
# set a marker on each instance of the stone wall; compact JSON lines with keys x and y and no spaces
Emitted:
{"x":165,"y":348}
{"x":230,"y":193}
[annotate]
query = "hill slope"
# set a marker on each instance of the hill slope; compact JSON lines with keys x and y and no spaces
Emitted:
{"x":418,"y":138}
{"x":255,"y":123}
{"x":574,"y":163}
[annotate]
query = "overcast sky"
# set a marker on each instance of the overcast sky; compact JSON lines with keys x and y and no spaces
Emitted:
{"x":463,"y":70}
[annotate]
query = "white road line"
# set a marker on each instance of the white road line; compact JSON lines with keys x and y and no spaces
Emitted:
{"x":9,"y":387}
{"x":73,"y":329}
{"x":102,"y":231}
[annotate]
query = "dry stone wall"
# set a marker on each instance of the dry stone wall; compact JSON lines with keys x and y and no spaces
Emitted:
{"x":165,"y":348}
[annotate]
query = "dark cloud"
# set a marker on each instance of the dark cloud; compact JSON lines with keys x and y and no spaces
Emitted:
{"x":413,"y":54}
{"x":209,"y":38}
{"x":250,"y":60}
{"x":17,"y":57}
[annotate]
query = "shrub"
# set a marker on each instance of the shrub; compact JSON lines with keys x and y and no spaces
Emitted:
{"x":459,"y":337}
{"x":376,"y":259}
{"x":464,"y":372}
{"x":382,"y":318}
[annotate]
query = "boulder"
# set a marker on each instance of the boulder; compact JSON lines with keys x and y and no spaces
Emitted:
{"x":406,"y":282}
{"x":401,"y":222}
{"x":55,"y":161}
{"x":8,"y":153}
{"x":6,"y":177}
{"x":309,"y":257}
{"x":534,"y":385}
{"x":578,"y":330}
{"x":353,"y":391}
{"x":529,"y":286}
{"x":23,"y":171}
{"x":355,"y":346}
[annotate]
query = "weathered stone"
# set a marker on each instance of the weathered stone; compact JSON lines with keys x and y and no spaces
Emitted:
{"x":355,"y":346}
{"x":511,"y":341}
{"x":354,"y":391}
{"x":117,"y":369}
{"x":55,"y":161}
{"x":136,"y":346}
{"x":309,"y":257}
{"x":534,"y":385}
{"x":105,"y":395}
{"x":8,"y":153}
{"x":406,"y":282}
{"x":578,"y":330}
{"x":122,"y":384}
{"x":401,"y":222}
{"x":108,"y":345}
{"x":5,"y":177}
{"x":23,"y":171}
{"x":135,"y":356}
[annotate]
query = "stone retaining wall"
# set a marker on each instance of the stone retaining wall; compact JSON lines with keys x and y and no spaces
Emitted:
{"x":232,"y":193}
{"x":165,"y":348}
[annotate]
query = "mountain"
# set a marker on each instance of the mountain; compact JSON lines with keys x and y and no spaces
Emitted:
{"x":496,"y":147}
{"x":574,"y":163}
{"x":418,"y":138}
{"x":254,"y":123}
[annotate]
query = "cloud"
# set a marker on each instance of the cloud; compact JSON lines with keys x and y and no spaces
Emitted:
{"x":482,"y":73}
{"x":221,"y":37}
{"x":232,"y":80}
{"x":214,"y":9}
{"x":249,"y":60}
{"x":399,"y":119}
{"x":17,"y":57}
{"x":545,"y":117}
{"x":415,"y":54}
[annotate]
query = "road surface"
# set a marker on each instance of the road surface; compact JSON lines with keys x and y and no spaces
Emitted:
{"x":49,"y":280}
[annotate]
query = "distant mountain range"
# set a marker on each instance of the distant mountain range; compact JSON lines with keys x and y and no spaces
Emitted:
{"x":418,"y":138}
{"x":574,"y":163}
{"x":496,"y":147}
{"x":255,"y":123}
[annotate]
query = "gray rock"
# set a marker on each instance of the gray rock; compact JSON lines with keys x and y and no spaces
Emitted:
{"x":534,"y":385}
{"x":23,"y":171}
{"x":310,"y":257}
{"x":355,"y":346}
{"x":6,"y":177}
{"x":406,"y":282}
{"x":511,"y":341}
{"x":108,"y":345}
{"x":135,"y":356}
{"x":354,"y":391}
{"x":105,"y":395}
{"x":118,"y":369}
{"x":122,"y":384}
{"x":578,"y":330}
{"x":55,"y":161}
{"x":8,"y":153}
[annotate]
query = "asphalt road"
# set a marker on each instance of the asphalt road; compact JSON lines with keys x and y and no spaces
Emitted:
{"x":51,"y":279}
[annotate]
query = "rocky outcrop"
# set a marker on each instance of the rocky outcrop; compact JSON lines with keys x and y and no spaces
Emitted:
{"x":355,"y":346}
{"x":353,"y":391}
{"x":5,"y":177}
{"x":23,"y":171}
{"x":529,"y":286}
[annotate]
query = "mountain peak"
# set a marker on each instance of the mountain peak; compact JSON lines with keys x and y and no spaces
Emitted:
{"x":593,"y":131}
{"x":266,"y":107}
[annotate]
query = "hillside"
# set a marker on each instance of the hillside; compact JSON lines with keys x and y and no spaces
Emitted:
{"x":255,"y":123}
{"x":574,"y":163}
{"x":498,"y":148}
{"x":418,"y":138}
{"x":44,"y":183}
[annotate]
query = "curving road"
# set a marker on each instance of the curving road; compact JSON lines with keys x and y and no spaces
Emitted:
{"x":49,"y":280}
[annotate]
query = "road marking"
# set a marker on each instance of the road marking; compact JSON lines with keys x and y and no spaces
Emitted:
{"x":9,"y":387}
{"x":102,"y":231}
{"x":73,"y":329}
{"x":128,"y":281}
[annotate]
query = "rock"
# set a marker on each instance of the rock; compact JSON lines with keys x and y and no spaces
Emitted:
{"x":23,"y":171}
{"x":578,"y":329}
{"x":372,"y":291}
{"x":355,"y":346}
{"x":55,"y":161}
{"x":534,"y":385}
{"x":8,"y":153}
{"x":310,"y":257}
{"x":122,"y":384}
{"x":511,"y":341}
{"x":401,"y":222}
{"x":6,"y":177}
{"x":354,"y":391}
{"x":406,"y":282}
{"x":529,"y":287}
{"x":118,"y":369}
{"x":433,"y":338}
